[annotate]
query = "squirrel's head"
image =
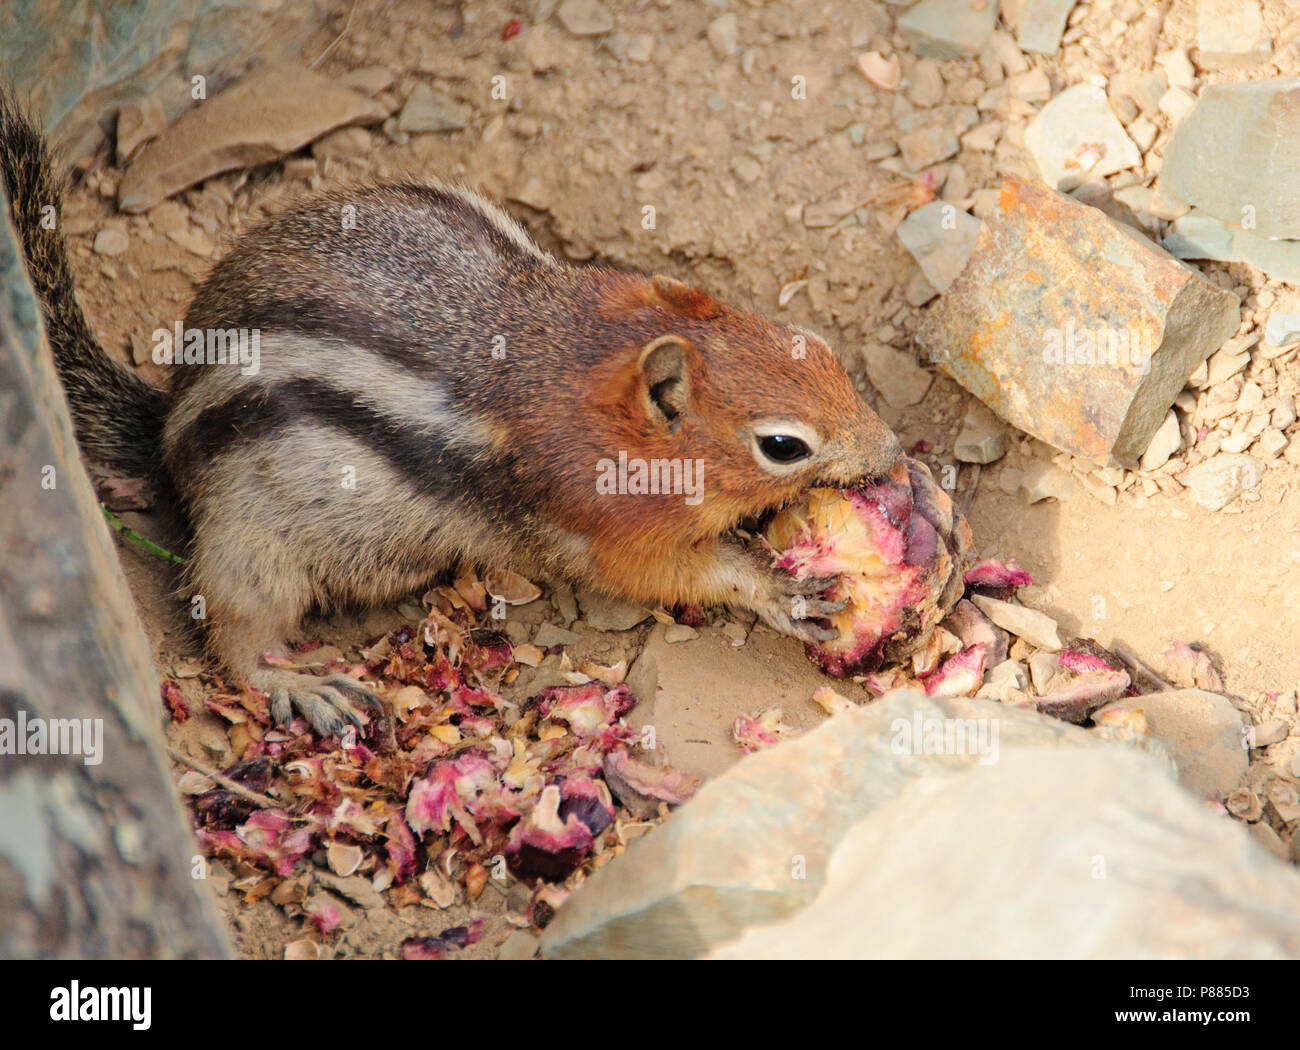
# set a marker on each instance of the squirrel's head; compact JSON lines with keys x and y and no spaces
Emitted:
{"x":766,"y":409}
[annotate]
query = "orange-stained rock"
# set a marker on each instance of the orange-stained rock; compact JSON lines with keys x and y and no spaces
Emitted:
{"x":1073,"y":327}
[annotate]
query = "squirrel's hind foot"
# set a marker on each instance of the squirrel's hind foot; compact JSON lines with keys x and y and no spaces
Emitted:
{"x":328,"y":703}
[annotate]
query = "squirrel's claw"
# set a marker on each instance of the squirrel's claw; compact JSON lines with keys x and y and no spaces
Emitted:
{"x":809,"y":631}
{"x":811,"y":585}
{"x":796,"y":613}
{"x":821,"y":607}
{"x":327,"y":703}
{"x":354,"y":691}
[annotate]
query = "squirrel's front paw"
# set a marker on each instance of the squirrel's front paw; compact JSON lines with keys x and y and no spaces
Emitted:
{"x":792,"y":606}
{"x":327,"y":703}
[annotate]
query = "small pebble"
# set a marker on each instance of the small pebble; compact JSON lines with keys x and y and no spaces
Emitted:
{"x":111,"y":242}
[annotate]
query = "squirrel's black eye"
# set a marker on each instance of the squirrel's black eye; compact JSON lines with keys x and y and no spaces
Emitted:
{"x":783,"y":448}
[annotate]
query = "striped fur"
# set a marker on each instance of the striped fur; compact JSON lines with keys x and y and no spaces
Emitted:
{"x":433,"y":388}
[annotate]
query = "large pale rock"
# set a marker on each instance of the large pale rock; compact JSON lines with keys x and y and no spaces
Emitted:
{"x":1087,"y":854}
{"x":266,"y":115}
{"x":1074,"y":327}
{"x":1237,"y":156}
{"x":753,"y":845}
{"x":95,"y":848}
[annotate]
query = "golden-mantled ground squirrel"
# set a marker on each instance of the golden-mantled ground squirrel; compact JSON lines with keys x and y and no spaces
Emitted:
{"x":431,"y":388}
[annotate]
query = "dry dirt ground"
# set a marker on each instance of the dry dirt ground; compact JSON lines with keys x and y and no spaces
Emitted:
{"x":592,"y":132}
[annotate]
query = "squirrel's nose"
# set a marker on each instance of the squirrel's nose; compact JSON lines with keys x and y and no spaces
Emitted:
{"x":875,"y":452}
{"x":881,"y":449}
{"x":880,"y":464}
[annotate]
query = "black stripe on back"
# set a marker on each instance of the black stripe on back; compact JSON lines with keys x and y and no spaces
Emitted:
{"x":426,"y":461}
{"x":309,"y":315}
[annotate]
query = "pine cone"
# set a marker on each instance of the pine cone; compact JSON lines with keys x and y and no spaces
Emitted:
{"x":898,"y":548}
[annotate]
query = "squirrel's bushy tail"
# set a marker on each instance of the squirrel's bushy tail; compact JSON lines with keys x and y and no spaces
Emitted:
{"x":118,"y":416}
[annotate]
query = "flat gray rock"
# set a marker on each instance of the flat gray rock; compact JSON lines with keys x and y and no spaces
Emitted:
{"x":1219,"y":480}
{"x":949,"y":28}
{"x":431,"y":110}
{"x":1077,"y":138}
{"x":941,"y":238}
{"x":1041,"y":23}
{"x":266,"y":115}
{"x":1204,"y":733}
{"x":1237,"y":157}
{"x":1199,"y":235}
{"x":76,"y":64}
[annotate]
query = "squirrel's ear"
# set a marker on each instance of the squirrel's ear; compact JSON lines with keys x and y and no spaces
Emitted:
{"x":691,"y":302}
{"x":665,"y":368}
